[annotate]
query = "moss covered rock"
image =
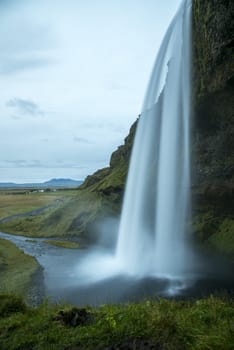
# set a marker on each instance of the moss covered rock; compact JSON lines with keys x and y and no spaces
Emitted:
{"x":213,"y":126}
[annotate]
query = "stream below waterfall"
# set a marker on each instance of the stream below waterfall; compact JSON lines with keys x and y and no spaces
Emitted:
{"x":62,"y":283}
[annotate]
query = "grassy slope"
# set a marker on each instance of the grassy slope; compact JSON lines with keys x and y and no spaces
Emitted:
{"x":16,"y":268}
{"x":70,"y":217}
{"x":63,"y":244}
{"x":162,"y":324}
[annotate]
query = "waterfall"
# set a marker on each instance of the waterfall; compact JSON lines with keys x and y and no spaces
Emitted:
{"x":153,"y":229}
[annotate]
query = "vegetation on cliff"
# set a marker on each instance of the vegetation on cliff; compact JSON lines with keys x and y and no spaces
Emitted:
{"x":213,"y":129}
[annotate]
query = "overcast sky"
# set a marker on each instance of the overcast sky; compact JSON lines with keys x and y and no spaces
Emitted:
{"x":73,"y":74}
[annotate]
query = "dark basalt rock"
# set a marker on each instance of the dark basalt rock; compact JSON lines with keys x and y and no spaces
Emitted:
{"x":74,"y":317}
{"x":213,"y":122}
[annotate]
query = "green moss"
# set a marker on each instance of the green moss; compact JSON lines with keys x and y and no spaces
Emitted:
{"x":223,"y":238}
{"x":212,"y":35}
{"x":114,"y":180}
{"x":16,"y":268}
{"x":204,"y":225}
{"x":63,"y":244}
{"x":11,"y":304}
{"x":163,"y":324}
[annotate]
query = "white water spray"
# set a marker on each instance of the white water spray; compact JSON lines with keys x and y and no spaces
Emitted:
{"x":152,"y":235}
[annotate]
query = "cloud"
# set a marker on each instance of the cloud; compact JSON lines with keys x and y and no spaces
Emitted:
{"x":81,"y":140}
{"x":24,"y":107}
{"x":15,"y":163}
{"x":13,"y":64}
{"x":35,"y":163}
{"x":21,"y":163}
{"x":15,"y":117}
{"x":103,"y":125}
{"x":26,"y":40}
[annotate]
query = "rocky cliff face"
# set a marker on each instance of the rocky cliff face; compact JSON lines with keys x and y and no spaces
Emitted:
{"x":213,"y":125}
{"x":111,"y":180}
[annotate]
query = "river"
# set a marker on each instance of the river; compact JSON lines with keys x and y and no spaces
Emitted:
{"x":62,"y":282}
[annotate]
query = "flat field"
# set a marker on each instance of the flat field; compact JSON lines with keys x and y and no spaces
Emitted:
{"x":14,"y":202}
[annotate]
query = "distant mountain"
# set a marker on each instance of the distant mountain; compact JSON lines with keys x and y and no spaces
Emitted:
{"x":53,"y":183}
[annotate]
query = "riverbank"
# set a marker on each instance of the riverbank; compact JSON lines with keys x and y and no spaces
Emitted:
{"x":17,"y":269}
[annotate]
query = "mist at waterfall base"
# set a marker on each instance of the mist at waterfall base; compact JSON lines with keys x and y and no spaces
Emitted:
{"x":149,"y":251}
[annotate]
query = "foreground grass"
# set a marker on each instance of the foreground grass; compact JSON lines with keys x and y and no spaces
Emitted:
{"x":16,"y":268}
{"x":163,"y":324}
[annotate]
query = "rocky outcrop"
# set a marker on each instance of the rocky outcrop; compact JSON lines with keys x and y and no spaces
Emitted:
{"x":213,"y":29}
{"x":111,"y":180}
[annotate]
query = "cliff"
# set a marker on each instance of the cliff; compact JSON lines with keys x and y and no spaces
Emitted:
{"x":213,"y":129}
{"x":111,"y":180}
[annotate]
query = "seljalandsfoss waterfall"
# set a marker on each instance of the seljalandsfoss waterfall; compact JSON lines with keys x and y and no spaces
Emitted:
{"x":153,"y":235}
{"x":153,"y":230}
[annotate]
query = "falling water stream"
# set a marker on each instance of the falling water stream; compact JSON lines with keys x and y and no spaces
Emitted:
{"x":152,"y":236}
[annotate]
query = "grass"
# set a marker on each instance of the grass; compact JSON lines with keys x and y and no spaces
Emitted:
{"x":16,"y":268}
{"x":14,"y":202}
{"x":71,"y":216}
{"x":63,"y":244}
{"x":216,"y":231}
{"x":223,"y":239}
{"x":162,"y":324}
